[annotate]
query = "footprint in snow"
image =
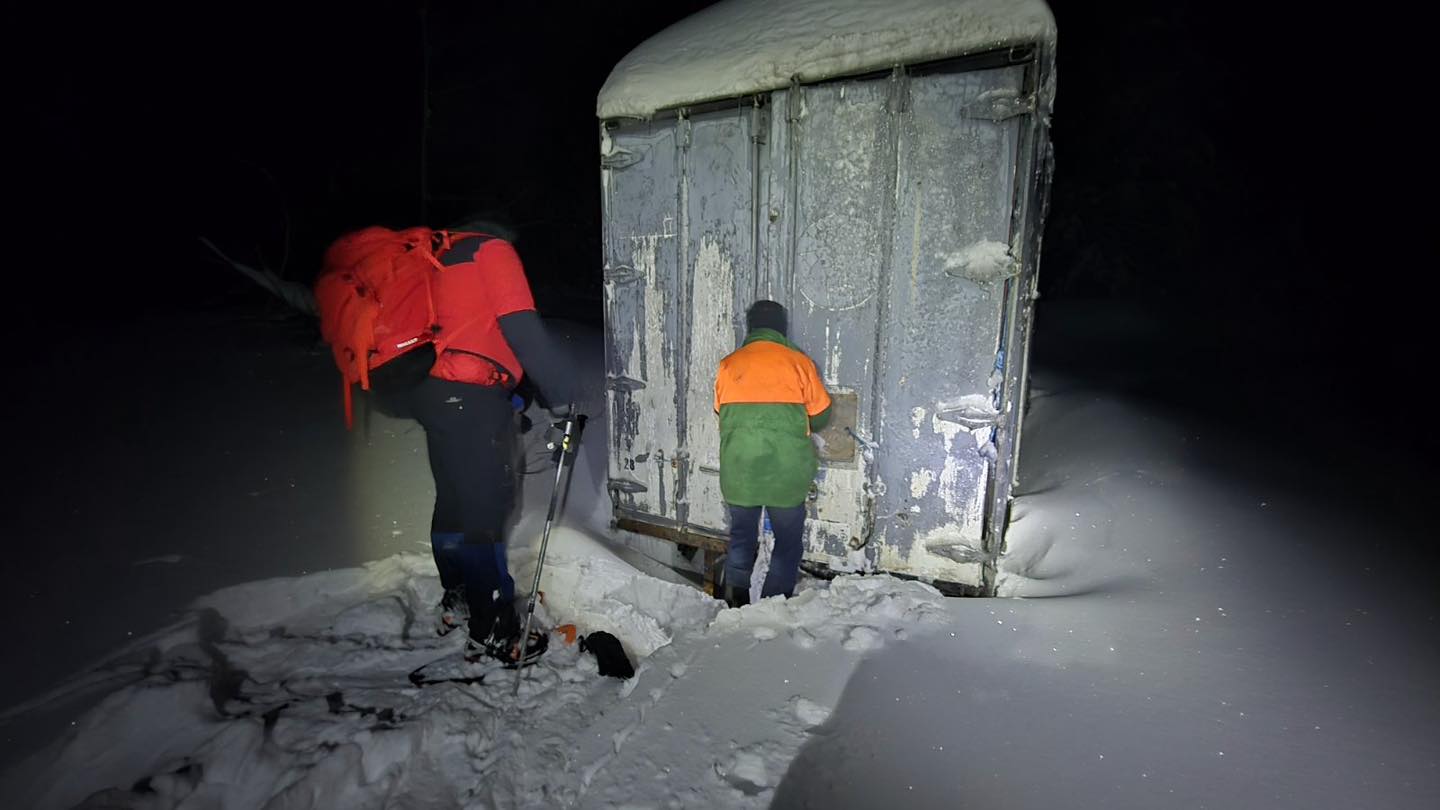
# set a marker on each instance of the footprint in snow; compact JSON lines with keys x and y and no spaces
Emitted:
{"x":808,"y":712}
{"x":745,"y":771}
{"x":863,"y":639}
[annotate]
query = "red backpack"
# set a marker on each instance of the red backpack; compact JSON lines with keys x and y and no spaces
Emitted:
{"x":376,"y":303}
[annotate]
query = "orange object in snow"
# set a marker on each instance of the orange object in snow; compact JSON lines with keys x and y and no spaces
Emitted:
{"x":568,"y":631}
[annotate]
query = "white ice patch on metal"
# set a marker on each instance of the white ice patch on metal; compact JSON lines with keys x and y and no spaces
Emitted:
{"x":920,"y":482}
{"x":982,"y":262}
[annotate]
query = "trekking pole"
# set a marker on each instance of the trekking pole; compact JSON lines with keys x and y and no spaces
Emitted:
{"x":568,"y":442}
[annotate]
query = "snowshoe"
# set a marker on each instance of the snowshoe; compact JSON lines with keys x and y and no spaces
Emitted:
{"x":454,"y":668}
{"x":506,"y":649}
{"x":502,"y":641}
{"x":479,"y":659}
{"x":453,"y":612}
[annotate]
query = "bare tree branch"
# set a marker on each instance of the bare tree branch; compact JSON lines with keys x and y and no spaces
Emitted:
{"x":297,"y":295}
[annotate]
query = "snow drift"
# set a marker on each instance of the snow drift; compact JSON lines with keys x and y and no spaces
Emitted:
{"x":747,"y":46}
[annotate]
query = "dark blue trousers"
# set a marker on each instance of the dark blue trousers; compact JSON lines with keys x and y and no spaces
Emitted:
{"x":788,"y":525}
{"x":471,"y":438}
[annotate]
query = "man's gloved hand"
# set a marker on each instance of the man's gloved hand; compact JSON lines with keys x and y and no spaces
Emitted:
{"x":567,"y":418}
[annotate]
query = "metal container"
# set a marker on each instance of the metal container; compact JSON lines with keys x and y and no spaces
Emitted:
{"x":896,"y":210}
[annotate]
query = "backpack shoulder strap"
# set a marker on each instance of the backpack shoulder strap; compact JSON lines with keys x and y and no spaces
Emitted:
{"x":458,"y":248}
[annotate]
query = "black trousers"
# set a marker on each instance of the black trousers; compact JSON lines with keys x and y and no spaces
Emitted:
{"x":471,"y":438}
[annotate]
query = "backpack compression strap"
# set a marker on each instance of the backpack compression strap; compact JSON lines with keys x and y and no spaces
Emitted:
{"x":449,"y":257}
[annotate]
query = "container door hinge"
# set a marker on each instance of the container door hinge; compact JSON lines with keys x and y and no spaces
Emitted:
{"x":622,"y":274}
{"x":622,"y":383}
{"x":619,"y":159}
{"x":627,"y":485}
{"x":971,"y":416}
{"x":998,"y":105}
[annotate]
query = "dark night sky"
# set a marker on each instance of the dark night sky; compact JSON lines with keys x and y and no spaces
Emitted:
{"x":1241,"y":166}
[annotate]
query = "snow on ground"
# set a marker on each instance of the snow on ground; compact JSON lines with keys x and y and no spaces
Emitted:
{"x":1196,"y":625}
{"x":293,"y":693}
{"x":1188,"y":639}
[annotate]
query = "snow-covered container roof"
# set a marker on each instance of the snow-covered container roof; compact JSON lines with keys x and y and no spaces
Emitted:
{"x":740,"y":47}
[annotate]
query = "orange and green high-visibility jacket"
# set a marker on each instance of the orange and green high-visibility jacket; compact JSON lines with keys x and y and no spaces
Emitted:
{"x":769,"y":397}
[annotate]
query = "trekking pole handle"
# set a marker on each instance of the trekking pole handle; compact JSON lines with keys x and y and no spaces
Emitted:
{"x":574,"y":426}
{"x":571,"y":428}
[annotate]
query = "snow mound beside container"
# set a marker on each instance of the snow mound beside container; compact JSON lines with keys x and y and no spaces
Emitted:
{"x":588,"y":585}
{"x":855,"y":610}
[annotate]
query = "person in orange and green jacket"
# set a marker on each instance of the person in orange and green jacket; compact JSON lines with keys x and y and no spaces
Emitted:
{"x":769,"y":397}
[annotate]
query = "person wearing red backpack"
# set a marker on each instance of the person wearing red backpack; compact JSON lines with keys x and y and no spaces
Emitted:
{"x":483,"y":337}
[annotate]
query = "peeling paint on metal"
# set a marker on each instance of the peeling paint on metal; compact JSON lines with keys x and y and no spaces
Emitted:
{"x":947,"y":429}
{"x":923,"y":558}
{"x":712,"y":336}
{"x":920,"y":482}
{"x":607,"y":148}
{"x":656,"y":422}
{"x":833,"y":351}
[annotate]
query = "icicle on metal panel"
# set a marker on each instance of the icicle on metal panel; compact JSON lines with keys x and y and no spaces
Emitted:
{"x":640,"y":178}
{"x":843,"y":170}
{"x":718,"y":195}
{"x":940,"y":345}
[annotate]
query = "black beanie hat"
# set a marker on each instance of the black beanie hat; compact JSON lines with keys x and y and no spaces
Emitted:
{"x":766,"y":315}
